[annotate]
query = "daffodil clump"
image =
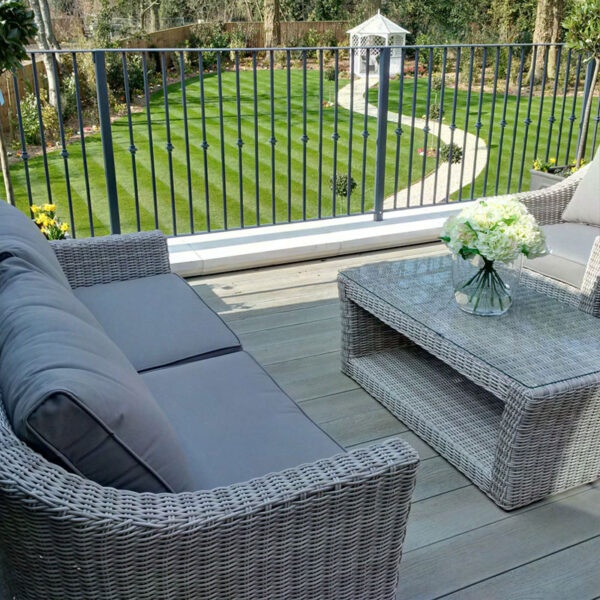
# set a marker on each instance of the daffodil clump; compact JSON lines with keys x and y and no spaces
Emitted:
{"x":497,"y":230}
{"x":45,"y":218}
{"x":539,"y":164}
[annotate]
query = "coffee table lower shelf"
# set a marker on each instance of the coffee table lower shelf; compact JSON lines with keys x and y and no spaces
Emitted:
{"x":455,"y":416}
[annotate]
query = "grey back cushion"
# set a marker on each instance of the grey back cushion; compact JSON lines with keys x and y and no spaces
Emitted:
{"x":20,"y":236}
{"x":71,"y":394}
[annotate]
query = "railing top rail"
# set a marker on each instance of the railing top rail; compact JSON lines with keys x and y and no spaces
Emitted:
{"x":290,"y":48}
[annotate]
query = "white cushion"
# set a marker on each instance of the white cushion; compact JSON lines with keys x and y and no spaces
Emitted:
{"x":584,"y":207}
{"x":570,"y":246}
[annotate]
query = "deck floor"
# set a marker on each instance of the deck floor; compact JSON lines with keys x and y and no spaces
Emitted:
{"x":459,"y":544}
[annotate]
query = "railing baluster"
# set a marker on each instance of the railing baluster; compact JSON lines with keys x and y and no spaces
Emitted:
{"x":289,"y":133}
{"x":542,"y":92}
{"x":64,"y":153}
{"x":304,"y":135}
{"x":350,"y":125}
{"x":468,"y":107}
{"x":527,"y":121}
{"x":478,"y":124}
{"x":24,"y":154}
{"x":169,"y":146}
{"x":518,"y":103}
{"x":107,"y":142}
{"x":597,"y":121}
{"x":335,"y":136}
{"x":439,"y":123}
{"x":503,"y":122}
{"x":36,"y":88}
{"x":382,"y":127}
{"x":572,"y":116}
{"x":150,"y":140}
{"x":399,"y":131}
{"x":365,"y":134}
{"x":132,"y":148}
{"x":256,"y":160}
{"x":426,"y":128}
{"x":187,"y":140}
{"x":564,"y":104}
{"x":551,"y":118}
{"x":412,"y":125}
{"x":222,"y":139}
{"x":273,"y":139}
{"x":240,"y":141}
{"x":320,"y":159}
{"x":491,"y":129}
{"x":204,"y":143}
{"x":453,"y":124}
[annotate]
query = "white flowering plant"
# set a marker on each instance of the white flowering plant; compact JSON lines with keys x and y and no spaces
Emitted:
{"x":497,"y":229}
{"x":483,"y":234}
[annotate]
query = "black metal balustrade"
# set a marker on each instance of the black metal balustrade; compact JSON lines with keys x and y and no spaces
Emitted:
{"x":193,"y":141}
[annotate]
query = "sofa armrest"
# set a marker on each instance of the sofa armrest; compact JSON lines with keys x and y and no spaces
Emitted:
{"x":590,"y":289}
{"x":89,"y":261}
{"x":547,"y":205}
{"x":329,"y":529}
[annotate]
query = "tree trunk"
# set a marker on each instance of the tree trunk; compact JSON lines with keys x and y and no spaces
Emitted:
{"x":586,"y":115}
{"x":272,"y":23}
{"x":547,"y":30}
{"x":10,"y":195}
{"x":50,"y":37}
{"x":44,"y":44}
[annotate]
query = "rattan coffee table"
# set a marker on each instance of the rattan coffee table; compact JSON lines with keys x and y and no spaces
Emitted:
{"x":511,"y":401}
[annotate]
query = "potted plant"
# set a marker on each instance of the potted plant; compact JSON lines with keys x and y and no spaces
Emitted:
{"x":546,"y":172}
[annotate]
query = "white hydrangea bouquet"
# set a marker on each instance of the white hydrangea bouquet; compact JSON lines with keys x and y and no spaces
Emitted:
{"x":488,"y":240}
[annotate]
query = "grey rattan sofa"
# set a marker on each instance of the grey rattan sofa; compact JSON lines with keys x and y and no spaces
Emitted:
{"x":332,"y":527}
{"x":577,"y":280}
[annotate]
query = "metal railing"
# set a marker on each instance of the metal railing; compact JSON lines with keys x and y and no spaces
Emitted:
{"x":193,"y":141}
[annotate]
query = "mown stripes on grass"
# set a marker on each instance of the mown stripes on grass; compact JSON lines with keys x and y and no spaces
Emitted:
{"x":285,"y":189}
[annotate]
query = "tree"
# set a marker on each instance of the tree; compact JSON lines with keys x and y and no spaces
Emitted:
{"x":47,"y":41}
{"x":272,"y":23}
{"x":583,"y":35}
{"x":547,"y":31}
{"x":16,"y":29}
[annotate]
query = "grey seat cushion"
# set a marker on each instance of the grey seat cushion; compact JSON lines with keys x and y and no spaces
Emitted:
{"x":158,"y":320}
{"x":71,"y":394}
{"x":20,"y":236}
{"x":234,"y":422}
{"x":569,"y":249}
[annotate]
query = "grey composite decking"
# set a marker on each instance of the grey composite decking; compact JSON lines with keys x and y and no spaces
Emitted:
{"x":459,"y":545}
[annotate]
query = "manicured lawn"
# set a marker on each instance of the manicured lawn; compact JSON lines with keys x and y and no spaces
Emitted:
{"x":301,"y":196}
{"x":514,"y":152}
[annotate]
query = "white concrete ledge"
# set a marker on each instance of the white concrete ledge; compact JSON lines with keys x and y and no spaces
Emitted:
{"x":293,"y":242}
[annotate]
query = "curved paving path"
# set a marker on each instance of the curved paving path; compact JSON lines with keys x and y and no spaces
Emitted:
{"x":472,"y":168}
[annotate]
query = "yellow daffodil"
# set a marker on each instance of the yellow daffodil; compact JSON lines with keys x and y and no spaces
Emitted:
{"x":35,"y":209}
{"x":64,"y":228}
{"x":552,"y":160}
{"x":49,"y":207}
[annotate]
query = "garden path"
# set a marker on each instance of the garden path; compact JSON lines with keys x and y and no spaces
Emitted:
{"x":436,"y":187}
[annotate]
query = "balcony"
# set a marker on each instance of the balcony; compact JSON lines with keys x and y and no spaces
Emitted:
{"x":236,"y":163}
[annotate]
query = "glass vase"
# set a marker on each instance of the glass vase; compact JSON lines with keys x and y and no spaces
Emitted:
{"x":485,"y":287}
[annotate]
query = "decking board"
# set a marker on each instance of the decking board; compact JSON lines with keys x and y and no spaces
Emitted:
{"x":459,"y":544}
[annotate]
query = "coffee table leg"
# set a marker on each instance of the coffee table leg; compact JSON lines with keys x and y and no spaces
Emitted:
{"x":362,"y":333}
{"x":547,"y":444}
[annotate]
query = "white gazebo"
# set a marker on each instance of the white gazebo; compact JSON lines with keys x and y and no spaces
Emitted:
{"x":376,"y":31}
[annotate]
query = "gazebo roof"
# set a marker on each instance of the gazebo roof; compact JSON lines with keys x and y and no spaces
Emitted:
{"x":377,"y":25}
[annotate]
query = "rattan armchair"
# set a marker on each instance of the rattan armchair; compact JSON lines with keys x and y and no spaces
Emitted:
{"x":332,"y":529}
{"x":547,"y":206}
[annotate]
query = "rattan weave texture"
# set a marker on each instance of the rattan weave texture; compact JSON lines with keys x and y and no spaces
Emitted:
{"x":519,"y":441}
{"x":330,"y":530}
